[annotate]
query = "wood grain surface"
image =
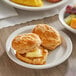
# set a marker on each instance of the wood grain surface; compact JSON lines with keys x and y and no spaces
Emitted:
{"x":9,"y":68}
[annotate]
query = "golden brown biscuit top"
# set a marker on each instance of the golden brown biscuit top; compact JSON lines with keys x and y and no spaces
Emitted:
{"x":49,"y":36}
{"x":46,"y":31}
{"x":26,"y":42}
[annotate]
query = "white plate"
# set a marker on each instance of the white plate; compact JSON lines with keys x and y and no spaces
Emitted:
{"x":61,"y":18}
{"x":55,"y":57}
{"x":46,"y":5}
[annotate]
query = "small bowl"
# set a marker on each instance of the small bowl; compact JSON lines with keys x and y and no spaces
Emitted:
{"x":61,"y":18}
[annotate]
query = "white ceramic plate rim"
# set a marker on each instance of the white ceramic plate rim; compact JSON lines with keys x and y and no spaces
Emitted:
{"x":34,"y":8}
{"x":61,"y":18}
{"x":67,"y":54}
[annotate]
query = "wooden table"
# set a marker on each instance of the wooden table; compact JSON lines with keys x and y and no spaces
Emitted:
{"x":9,"y":68}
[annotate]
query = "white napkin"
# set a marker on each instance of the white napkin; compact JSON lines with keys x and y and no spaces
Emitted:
{"x":6,"y":10}
{"x":25,"y":16}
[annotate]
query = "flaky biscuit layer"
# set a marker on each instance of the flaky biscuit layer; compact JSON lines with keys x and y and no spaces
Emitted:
{"x":34,"y":60}
{"x":26,"y":42}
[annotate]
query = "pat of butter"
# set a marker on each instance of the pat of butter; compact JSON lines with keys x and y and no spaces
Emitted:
{"x":36,"y":53}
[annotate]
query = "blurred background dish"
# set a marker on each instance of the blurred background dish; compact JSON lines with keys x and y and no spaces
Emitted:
{"x":47,"y":5}
{"x":67,"y":17}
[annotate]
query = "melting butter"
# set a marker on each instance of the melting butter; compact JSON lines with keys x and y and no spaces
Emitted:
{"x":36,"y":53}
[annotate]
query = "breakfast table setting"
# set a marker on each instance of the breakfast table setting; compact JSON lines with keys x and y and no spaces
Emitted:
{"x":17,"y":19}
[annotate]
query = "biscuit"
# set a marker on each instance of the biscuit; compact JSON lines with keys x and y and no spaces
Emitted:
{"x":49,"y":36}
{"x":26,"y":42}
{"x":34,"y":60}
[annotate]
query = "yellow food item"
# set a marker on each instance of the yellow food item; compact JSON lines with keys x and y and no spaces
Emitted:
{"x":36,"y":53}
{"x":34,"y":3}
{"x":73,"y":23}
